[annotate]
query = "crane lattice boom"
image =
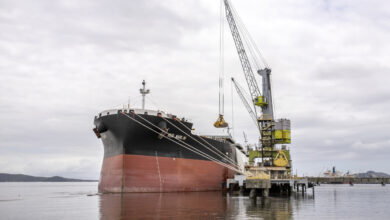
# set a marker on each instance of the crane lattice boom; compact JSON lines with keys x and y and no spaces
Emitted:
{"x":245,"y":102}
{"x":246,"y":66}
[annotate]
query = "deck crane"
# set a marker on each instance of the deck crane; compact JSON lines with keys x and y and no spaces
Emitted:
{"x":271,"y":132}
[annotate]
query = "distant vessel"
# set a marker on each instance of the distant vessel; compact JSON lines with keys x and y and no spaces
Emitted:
{"x":332,"y":173}
{"x":152,"y":151}
{"x":335,"y":173}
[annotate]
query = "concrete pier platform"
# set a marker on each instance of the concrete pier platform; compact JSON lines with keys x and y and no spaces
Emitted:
{"x":267,"y":187}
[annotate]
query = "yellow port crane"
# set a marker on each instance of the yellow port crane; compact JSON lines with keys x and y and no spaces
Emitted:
{"x":272,"y":132}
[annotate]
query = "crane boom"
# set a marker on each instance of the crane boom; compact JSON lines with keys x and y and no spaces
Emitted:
{"x":245,"y":102}
{"x":246,"y":66}
{"x":271,"y":131}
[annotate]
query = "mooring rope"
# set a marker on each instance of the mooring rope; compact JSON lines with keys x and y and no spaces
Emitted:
{"x":190,"y":148}
{"x":211,"y":157}
{"x":213,"y":149}
{"x":200,"y":137}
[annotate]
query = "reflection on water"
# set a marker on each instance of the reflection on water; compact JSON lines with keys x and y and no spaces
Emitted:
{"x":162,"y":205}
{"x":195,"y":205}
{"x":81,"y":201}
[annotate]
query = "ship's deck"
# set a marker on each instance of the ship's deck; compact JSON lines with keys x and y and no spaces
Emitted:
{"x":140,"y":112}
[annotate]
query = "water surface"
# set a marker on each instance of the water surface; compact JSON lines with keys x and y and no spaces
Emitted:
{"x":81,"y":201}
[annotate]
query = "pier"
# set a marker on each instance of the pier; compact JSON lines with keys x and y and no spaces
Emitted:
{"x":349,"y":180}
{"x":266,"y":187}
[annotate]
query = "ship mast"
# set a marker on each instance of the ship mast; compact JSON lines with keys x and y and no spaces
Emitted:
{"x":144,"y":91}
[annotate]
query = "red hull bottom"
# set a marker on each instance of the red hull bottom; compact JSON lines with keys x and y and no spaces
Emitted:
{"x":136,"y":173}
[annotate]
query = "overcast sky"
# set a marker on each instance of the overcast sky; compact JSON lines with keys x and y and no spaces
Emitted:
{"x":62,"y":62}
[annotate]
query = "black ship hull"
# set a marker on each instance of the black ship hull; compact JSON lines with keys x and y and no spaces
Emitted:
{"x":144,"y":153}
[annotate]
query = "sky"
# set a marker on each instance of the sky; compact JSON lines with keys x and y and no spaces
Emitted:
{"x":62,"y":62}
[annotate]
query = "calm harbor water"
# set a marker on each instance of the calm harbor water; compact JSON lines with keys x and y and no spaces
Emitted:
{"x":80,"y":201}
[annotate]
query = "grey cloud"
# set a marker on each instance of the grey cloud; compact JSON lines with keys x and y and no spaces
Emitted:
{"x":61,"y":62}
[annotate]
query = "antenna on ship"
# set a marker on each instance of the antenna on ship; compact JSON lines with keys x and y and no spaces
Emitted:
{"x":144,"y":91}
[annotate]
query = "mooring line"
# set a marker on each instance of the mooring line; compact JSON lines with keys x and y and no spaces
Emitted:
{"x":200,"y":137}
{"x":214,"y":150}
{"x":208,"y":156}
{"x":188,"y":148}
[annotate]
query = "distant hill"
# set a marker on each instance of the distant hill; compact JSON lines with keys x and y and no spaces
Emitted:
{"x":372,"y":174}
{"x":6,"y":177}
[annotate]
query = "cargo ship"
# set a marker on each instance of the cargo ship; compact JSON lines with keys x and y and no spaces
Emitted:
{"x":153,"y":151}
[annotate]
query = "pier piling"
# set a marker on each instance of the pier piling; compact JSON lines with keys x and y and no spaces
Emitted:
{"x":265,"y":188}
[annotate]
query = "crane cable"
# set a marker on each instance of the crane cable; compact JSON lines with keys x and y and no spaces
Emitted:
{"x":188,"y":147}
{"x":244,"y":36}
{"x":256,"y":55}
{"x":251,"y":45}
{"x":221,"y":101}
{"x":213,"y":149}
{"x":232,"y":101}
